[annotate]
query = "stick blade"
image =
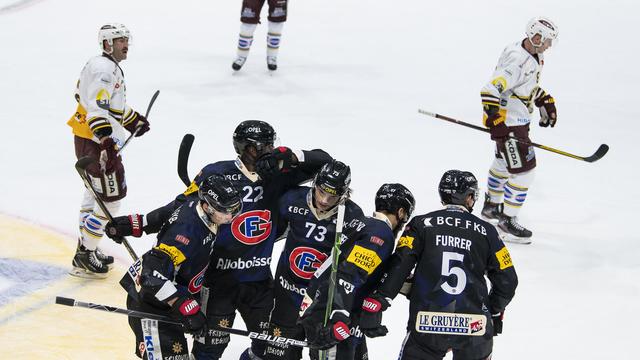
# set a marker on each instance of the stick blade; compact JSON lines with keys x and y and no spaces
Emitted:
{"x":602,"y":151}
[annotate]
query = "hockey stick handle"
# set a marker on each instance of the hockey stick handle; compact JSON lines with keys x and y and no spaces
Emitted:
{"x":183,"y":158}
{"x":139,"y":314}
{"x":135,"y":132}
{"x":599,"y":153}
{"x":81,"y":165}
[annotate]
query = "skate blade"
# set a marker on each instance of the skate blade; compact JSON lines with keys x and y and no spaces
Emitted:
{"x":513,"y":239}
{"x":85,"y":274}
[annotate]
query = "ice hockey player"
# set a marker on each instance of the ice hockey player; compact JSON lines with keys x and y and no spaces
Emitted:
{"x":172,"y":271}
{"x":239,"y":277}
{"x":310,"y":213}
{"x":98,"y":127}
{"x":249,"y":19}
{"x":362,"y":261}
{"x":508,"y":101}
{"x":452,"y":250}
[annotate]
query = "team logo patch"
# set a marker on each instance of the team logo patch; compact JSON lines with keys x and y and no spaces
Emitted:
{"x":177,"y":348}
{"x":500,"y":83}
{"x":504,"y":258}
{"x":252,"y":227}
{"x":428,"y":322}
{"x":406,"y":241}
{"x":196,"y":282}
{"x":304,"y":261}
{"x":367,"y":260}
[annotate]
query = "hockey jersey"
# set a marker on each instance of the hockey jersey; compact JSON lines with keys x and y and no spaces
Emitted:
{"x":102,"y":101}
{"x":310,"y":238}
{"x":513,"y":84}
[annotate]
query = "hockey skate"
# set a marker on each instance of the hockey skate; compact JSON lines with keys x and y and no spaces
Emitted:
{"x":106,"y":259}
{"x":272,"y":63}
{"x":491,"y":212}
{"x":238,"y":62}
{"x":513,"y":232}
{"x":87,"y":265}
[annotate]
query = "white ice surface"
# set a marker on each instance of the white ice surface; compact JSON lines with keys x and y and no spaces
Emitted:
{"x":351,"y":77}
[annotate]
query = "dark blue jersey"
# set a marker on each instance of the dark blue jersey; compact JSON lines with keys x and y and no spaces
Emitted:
{"x":452,"y":252}
{"x":177,"y":263}
{"x":310,"y":239}
{"x":367,"y":246}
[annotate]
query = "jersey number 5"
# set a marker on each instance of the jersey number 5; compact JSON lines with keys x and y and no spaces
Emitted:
{"x":448,"y":269}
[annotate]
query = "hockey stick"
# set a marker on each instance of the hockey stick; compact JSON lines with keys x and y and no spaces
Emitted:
{"x":135,"y":132}
{"x":600,"y":152}
{"x":335,"y":254}
{"x":81,"y":168}
{"x":139,"y":314}
{"x":183,"y":158}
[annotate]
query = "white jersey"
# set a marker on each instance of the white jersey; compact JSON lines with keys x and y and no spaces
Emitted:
{"x":101,"y":94}
{"x":514,"y":82}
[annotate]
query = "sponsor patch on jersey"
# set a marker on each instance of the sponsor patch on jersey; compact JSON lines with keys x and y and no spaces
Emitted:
{"x":196,"y":282}
{"x":102,"y":99}
{"x":406,"y":241}
{"x":191,"y":189}
{"x":182,"y":239}
{"x":177,"y":257}
{"x":304,"y":261}
{"x":252,"y":227}
{"x":428,"y":322}
{"x":367,"y":260}
{"x":376,"y":240}
{"x":504,"y":258}
{"x":500,"y":83}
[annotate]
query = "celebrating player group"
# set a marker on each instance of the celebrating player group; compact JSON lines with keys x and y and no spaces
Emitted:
{"x":340,"y":269}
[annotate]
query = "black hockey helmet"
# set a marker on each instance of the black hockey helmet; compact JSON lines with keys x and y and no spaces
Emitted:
{"x":456,"y":185}
{"x":393,"y":197}
{"x":253,"y":132}
{"x":333,"y":178}
{"x":220,"y":194}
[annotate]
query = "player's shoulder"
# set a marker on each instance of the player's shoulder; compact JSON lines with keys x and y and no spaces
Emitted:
{"x":101,"y":64}
{"x":352,"y":209}
{"x":514,"y":53}
{"x":297,"y":192}
{"x":223,"y":168}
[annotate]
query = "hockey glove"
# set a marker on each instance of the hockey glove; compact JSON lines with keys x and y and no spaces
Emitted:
{"x":281,"y":160}
{"x":497,"y":323}
{"x":325,"y":337}
{"x":187,"y":311}
{"x":407,"y":286}
{"x":142,"y":123}
{"x":130,"y":225}
{"x":109,"y":146}
{"x":371,"y":317}
{"x":494,"y":122}
{"x":547,"y":105}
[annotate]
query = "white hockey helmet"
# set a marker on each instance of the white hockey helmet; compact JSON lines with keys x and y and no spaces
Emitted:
{"x":112,"y":31}
{"x":543,"y":26}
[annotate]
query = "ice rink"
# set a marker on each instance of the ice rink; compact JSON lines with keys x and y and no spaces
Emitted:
{"x":352,"y":76}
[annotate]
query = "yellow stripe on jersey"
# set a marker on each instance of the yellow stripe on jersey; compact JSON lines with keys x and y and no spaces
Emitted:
{"x":365,"y":259}
{"x":504,"y":258}
{"x":176,"y":255}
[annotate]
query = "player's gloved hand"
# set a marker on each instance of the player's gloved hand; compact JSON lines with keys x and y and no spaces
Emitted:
{"x":325,"y":337}
{"x":497,"y":323}
{"x":128,"y":225}
{"x":547,"y":105}
{"x":496,"y":125}
{"x":109,"y":146}
{"x":280,"y":160}
{"x":371,"y":317}
{"x":142,"y":123}
{"x":187,"y":310}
